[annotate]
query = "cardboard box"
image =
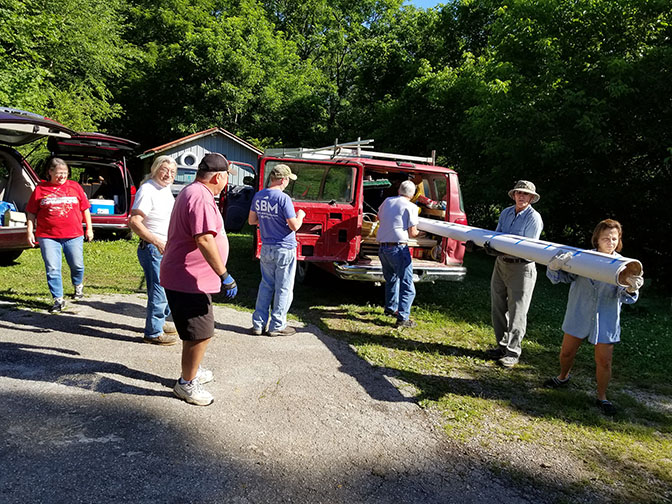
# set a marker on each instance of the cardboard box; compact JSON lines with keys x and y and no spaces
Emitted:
{"x":102,"y":206}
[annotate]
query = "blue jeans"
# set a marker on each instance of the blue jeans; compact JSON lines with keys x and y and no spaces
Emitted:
{"x":157,"y":304}
{"x":73,"y":248}
{"x":276,"y":290}
{"x":398,"y":272}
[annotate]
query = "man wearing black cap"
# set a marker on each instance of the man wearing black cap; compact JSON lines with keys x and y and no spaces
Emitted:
{"x":194,"y":268}
{"x":513,"y":279}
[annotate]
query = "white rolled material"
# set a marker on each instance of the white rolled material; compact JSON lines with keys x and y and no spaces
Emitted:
{"x":586,"y":263}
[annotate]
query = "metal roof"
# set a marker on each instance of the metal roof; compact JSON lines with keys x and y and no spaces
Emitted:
{"x":195,"y":136}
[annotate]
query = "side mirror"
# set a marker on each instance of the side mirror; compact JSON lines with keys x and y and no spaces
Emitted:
{"x":248,"y":180}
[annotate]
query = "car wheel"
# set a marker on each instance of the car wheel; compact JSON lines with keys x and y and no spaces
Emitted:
{"x":302,"y":272}
{"x":9,"y":256}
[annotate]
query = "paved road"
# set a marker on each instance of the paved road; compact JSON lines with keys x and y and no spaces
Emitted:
{"x":87,"y":415}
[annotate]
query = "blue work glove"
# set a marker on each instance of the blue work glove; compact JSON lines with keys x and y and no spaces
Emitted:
{"x":229,"y":285}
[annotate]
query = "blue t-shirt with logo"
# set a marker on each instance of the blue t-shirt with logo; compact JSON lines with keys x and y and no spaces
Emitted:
{"x":273,"y":207}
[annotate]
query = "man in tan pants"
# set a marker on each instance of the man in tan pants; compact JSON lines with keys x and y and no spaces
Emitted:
{"x":513,"y":279}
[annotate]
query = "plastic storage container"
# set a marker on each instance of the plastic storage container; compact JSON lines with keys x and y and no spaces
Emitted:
{"x":102,"y":206}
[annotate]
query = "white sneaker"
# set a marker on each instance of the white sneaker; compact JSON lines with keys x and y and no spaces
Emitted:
{"x":204,"y":375}
{"x":193,"y":393}
{"x":79,"y":291}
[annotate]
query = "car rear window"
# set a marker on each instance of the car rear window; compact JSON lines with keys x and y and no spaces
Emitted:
{"x":318,"y":182}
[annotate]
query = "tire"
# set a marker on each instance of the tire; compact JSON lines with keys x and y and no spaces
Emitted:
{"x":302,"y":272}
{"x":9,"y":256}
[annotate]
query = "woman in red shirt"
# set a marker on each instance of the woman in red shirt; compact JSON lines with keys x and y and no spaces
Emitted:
{"x":54,"y":215}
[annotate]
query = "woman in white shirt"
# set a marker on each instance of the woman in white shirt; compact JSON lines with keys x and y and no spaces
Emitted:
{"x":149,"y":219}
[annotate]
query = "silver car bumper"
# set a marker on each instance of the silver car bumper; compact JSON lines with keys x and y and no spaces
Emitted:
{"x":374,"y":272}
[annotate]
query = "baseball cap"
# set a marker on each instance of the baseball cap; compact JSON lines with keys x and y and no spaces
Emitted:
{"x":282,"y":171}
{"x":214,"y":162}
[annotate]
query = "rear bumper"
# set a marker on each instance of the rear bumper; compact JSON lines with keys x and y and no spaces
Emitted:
{"x":111,"y":226}
{"x":374,"y":272}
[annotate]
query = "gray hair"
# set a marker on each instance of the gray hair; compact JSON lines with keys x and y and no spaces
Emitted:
{"x":158,"y":163}
{"x":54,"y":162}
{"x":407,"y":188}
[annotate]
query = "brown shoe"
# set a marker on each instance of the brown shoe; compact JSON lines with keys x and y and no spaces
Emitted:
{"x":163,"y":339}
{"x":287,"y":331}
{"x":169,"y":328}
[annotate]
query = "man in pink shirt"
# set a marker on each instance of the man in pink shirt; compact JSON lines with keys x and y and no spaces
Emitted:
{"x":193,"y":268}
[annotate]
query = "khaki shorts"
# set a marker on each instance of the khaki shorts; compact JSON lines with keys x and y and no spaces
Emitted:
{"x":192,"y":314}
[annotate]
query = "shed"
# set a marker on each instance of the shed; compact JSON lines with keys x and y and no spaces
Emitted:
{"x":189,"y":150}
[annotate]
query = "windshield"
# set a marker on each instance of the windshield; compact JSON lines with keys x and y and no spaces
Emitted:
{"x":323,"y":183}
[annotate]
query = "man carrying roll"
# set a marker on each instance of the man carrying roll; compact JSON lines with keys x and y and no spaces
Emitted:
{"x":193,"y":268}
{"x":513,"y":279}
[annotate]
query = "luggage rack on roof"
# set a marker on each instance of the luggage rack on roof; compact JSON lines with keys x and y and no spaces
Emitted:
{"x":357,"y":149}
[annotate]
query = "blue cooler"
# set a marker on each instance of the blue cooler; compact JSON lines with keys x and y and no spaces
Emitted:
{"x":102,"y":206}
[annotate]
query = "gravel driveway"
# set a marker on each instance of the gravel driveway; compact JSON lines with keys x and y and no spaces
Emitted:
{"x":88,"y":416}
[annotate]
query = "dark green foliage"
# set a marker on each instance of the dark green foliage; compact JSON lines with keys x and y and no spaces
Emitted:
{"x":571,"y":94}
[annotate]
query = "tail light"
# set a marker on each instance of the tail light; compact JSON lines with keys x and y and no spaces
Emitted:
{"x":461,"y":220}
{"x":133,"y":189}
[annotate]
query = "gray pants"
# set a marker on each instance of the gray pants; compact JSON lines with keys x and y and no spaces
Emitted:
{"x":511,"y":289}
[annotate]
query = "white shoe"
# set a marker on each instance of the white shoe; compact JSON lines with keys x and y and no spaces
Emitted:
{"x":204,"y":375}
{"x":79,"y":291}
{"x":193,"y":393}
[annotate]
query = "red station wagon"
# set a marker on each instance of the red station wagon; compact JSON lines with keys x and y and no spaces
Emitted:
{"x":341,"y":187}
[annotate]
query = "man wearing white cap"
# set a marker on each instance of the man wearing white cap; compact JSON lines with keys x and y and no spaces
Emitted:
{"x":513,"y":279}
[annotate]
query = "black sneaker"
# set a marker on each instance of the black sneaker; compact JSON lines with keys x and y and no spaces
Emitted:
{"x":406,"y":323}
{"x":606,"y":407}
{"x":391,"y":313}
{"x":287,"y":331}
{"x":495,"y":353}
{"x":57,"y":307}
{"x":79,"y":292}
{"x":555,"y":383}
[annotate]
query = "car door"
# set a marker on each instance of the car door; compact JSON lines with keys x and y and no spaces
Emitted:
{"x":235,"y":200}
{"x":330,"y":194}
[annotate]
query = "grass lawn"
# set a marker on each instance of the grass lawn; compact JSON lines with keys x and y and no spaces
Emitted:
{"x":547,"y":438}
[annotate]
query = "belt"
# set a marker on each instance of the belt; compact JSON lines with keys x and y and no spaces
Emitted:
{"x":514,"y":260}
{"x":392,"y":244}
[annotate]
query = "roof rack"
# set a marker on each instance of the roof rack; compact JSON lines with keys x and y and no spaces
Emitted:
{"x":357,"y":149}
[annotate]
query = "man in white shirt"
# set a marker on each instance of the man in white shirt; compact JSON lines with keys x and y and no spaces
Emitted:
{"x":398,"y":222}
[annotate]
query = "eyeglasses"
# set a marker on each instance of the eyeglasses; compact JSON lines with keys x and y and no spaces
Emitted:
{"x":169,"y":171}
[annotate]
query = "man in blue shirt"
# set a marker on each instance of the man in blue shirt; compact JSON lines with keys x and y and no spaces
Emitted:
{"x":273,"y":211}
{"x":513,"y":279}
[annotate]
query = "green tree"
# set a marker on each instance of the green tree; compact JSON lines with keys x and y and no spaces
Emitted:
{"x":58,"y":57}
{"x":210,"y":63}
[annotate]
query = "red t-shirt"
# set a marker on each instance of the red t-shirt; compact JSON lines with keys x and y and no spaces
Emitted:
{"x":58,"y":209}
{"x":183,"y":267}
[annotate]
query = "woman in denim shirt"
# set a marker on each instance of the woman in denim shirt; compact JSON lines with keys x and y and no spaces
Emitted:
{"x":593,"y":313}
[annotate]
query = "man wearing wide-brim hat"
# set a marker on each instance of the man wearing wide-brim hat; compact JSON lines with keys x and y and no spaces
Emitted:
{"x":513,"y":279}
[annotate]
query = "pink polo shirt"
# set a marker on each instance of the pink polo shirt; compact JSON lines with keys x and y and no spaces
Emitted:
{"x":183,"y":267}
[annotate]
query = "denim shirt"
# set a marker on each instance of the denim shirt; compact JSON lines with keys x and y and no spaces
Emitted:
{"x":593,"y":307}
{"x":526,"y":223}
